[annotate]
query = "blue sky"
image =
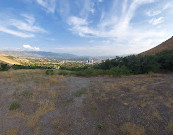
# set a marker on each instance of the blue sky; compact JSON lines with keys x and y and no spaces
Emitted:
{"x":85,"y":27}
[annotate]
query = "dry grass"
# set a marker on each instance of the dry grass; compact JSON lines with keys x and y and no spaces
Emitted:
{"x":56,"y":121}
{"x":44,"y":108}
{"x":11,"y":131}
{"x":15,"y":113}
{"x":9,"y":61}
{"x":170,"y":126}
{"x":157,"y":115}
{"x":132,"y":129}
{"x":112,"y":102}
{"x":37,"y":131}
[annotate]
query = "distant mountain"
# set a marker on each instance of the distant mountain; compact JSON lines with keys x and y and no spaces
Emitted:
{"x":167,"y":45}
{"x":38,"y":54}
{"x":54,"y":55}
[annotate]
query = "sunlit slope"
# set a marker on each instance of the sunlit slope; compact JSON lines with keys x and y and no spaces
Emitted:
{"x":6,"y":60}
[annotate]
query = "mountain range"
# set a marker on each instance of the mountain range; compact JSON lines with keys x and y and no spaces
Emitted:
{"x":38,"y":54}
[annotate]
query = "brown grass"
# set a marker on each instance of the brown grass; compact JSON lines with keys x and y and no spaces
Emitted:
{"x":132,"y":129}
{"x":11,"y":131}
{"x":9,"y":61}
{"x":170,"y":126}
{"x":44,"y":108}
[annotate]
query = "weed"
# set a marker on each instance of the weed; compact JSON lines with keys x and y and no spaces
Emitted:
{"x":14,"y":106}
{"x":27,"y":93}
{"x":100,"y":126}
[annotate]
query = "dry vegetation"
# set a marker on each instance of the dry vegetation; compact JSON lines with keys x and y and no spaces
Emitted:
{"x":6,"y":60}
{"x":51,"y":105}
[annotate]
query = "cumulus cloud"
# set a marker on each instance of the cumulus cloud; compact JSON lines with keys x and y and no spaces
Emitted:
{"x":26,"y":46}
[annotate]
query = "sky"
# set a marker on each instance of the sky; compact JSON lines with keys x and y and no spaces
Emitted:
{"x":85,"y":27}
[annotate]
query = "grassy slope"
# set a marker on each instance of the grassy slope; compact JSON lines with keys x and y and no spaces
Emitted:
{"x":6,"y":60}
{"x":167,"y":45}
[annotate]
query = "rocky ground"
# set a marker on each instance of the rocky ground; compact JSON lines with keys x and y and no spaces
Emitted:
{"x":57,"y":105}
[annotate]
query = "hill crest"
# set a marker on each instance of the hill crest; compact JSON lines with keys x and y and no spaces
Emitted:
{"x":167,"y":45}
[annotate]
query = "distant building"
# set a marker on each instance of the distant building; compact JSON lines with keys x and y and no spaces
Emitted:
{"x":90,"y":61}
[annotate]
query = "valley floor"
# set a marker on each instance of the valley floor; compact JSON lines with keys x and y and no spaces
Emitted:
{"x":57,"y":105}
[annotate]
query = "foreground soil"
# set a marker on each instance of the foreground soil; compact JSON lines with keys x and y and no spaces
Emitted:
{"x":57,"y":105}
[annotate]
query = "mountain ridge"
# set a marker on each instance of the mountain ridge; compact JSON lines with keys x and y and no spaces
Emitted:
{"x":38,"y":54}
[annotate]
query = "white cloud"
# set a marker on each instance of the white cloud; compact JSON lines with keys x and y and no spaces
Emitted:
{"x":118,"y":30}
{"x":16,"y":33}
{"x":26,"y":46}
{"x":49,"y":5}
{"x":155,"y":12}
{"x":24,"y":27}
{"x":27,"y":25}
{"x":100,"y":0}
{"x":76,"y":21}
{"x":110,"y":27}
{"x":156,"y":21}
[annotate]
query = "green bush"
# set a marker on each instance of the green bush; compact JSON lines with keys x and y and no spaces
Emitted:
{"x":165,"y":59}
{"x":14,"y":106}
{"x":118,"y":71}
{"x":4,"y":67}
{"x":100,"y":126}
{"x":15,"y":67}
{"x":89,"y":72}
{"x":135,"y":63}
{"x":27,"y":93}
{"x":64,"y":73}
{"x":49,"y":72}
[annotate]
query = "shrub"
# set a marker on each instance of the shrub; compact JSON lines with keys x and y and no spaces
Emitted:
{"x":89,"y":72}
{"x":49,"y":72}
{"x":14,"y":106}
{"x":118,"y":71}
{"x":4,"y":67}
{"x":165,"y":59}
{"x":135,"y":63}
{"x":27,"y":93}
{"x":64,"y":73}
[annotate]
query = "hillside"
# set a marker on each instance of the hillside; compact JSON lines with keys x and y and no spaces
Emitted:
{"x":167,"y":45}
{"x":7,"y":60}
